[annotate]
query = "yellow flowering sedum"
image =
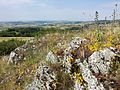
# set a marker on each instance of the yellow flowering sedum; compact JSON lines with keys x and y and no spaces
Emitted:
{"x":110,"y":40}
{"x":78,"y":78}
{"x":71,"y":60}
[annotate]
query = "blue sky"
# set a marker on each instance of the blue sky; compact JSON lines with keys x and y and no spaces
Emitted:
{"x":79,"y":10}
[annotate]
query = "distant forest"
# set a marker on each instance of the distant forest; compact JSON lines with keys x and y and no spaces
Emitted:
{"x":39,"y":31}
{"x":27,"y":31}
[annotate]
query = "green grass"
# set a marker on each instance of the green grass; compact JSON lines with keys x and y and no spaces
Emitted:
{"x":18,"y":38}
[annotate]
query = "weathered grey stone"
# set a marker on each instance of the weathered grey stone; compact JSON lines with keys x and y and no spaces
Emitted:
{"x":92,"y":82}
{"x":77,"y":86}
{"x":20,"y":53}
{"x":44,"y":80}
{"x":76,"y":42}
{"x":16,"y":55}
{"x":11,"y":57}
{"x":51,"y":57}
{"x":100,"y":61}
{"x":72,"y":46}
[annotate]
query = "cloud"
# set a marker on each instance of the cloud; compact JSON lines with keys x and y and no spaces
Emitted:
{"x":15,"y":2}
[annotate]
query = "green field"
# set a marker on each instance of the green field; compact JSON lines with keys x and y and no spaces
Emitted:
{"x":18,"y":38}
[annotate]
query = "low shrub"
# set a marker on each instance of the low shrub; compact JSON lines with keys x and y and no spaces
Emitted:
{"x":7,"y":46}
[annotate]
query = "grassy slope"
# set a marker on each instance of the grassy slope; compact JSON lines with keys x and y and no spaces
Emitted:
{"x":17,"y":76}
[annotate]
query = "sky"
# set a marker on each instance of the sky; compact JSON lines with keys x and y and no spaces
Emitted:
{"x":71,"y":10}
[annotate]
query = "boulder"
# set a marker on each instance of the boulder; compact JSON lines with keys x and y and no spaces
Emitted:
{"x":51,"y":57}
{"x":101,"y":61}
{"x":20,"y":53}
{"x":45,"y":79}
{"x":76,"y":42}
{"x":92,"y":82}
{"x":17,"y":55}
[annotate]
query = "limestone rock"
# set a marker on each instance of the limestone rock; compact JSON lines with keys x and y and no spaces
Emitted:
{"x":100,"y":61}
{"x":44,"y":80}
{"x":77,"y":86}
{"x":76,"y":42}
{"x":24,"y":51}
{"x":18,"y":54}
{"x":51,"y":57}
{"x":92,"y":82}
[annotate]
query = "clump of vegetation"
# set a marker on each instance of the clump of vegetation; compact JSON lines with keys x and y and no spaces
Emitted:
{"x":20,"y":32}
{"x":7,"y":46}
{"x":63,"y":80}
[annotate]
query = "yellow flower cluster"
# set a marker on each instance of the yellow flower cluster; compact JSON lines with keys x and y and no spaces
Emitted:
{"x":78,"y":77}
{"x":55,"y":49}
{"x":94,"y":47}
{"x":110,"y":40}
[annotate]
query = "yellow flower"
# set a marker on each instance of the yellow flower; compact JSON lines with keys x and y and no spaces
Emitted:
{"x":71,"y":60}
{"x":95,"y":47}
{"x":78,"y":77}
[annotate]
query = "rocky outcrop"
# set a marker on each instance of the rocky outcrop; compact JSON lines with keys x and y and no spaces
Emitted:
{"x":101,"y":61}
{"x":18,"y":54}
{"x":51,"y":57}
{"x":92,"y":82}
{"x":31,"y":47}
{"x":45,"y":79}
{"x":87,"y":70}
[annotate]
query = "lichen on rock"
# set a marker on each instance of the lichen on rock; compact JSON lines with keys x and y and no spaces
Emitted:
{"x":45,"y":79}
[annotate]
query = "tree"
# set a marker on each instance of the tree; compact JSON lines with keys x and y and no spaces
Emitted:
{"x":96,"y":17}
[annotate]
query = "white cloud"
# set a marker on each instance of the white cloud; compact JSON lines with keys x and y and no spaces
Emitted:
{"x":15,"y":2}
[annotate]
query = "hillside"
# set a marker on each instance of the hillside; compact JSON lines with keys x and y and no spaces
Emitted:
{"x":65,"y":60}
